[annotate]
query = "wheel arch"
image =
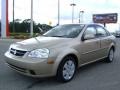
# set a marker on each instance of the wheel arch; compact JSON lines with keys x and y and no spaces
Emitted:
{"x":112,"y":47}
{"x":74,"y":56}
{"x":60,"y":57}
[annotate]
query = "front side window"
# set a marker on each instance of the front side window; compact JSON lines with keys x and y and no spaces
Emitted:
{"x":90,"y":33}
{"x":66,"y":31}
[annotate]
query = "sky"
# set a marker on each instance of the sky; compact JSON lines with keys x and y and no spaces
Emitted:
{"x":46,"y":11}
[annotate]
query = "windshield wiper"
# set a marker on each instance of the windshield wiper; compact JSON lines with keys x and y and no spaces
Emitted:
{"x":56,"y":36}
{"x":60,"y":36}
{"x":45,"y":35}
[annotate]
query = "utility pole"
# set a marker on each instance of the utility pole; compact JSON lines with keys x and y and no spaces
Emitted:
{"x":4,"y":19}
{"x":58,"y":12}
{"x":81,"y":16}
{"x":13,"y":15}
{"x":73,"y":4}
{"x":31,"y":24}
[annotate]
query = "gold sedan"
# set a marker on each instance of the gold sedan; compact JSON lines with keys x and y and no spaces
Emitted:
{"x":61,"y":50}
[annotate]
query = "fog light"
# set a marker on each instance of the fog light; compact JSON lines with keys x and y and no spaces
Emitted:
{"x":32,"y":72}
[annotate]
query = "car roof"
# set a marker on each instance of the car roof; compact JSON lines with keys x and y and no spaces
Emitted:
{"x":84,"y":24}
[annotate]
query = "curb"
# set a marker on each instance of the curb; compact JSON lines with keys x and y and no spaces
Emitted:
{"x":14,"y":40}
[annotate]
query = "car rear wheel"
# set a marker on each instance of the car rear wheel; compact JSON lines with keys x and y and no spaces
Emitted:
{"x":110,"y":57}
{"x":66,"y":69}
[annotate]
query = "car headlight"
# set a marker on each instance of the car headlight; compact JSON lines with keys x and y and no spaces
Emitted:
{"x":10,"y":47}
{"x":39,"y":53}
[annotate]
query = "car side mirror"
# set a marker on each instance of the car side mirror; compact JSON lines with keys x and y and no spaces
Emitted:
{"x":87,"y":37}
{"x":82,"y":38}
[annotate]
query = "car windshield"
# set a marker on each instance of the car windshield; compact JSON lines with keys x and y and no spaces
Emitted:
{"x":66,"y":31}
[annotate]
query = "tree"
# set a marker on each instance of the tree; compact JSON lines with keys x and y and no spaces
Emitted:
{"x":24,"y":26}
{"x":46,"y":27}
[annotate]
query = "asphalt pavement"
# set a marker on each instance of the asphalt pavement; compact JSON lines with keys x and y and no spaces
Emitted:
{"x":96,"y":76}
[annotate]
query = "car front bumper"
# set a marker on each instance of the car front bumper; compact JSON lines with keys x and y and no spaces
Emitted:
{"x":33,"y":67}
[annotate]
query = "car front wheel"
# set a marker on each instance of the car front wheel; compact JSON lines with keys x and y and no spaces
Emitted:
{"x":66,"y":69}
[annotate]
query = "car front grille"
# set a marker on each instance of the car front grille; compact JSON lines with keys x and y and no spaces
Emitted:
{"x":17,"y":52}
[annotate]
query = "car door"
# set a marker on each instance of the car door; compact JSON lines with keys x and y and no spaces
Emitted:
{"x":104,"y":39}
{"x":89,"y":47}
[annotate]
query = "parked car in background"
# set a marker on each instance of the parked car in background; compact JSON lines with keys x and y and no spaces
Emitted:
{"x":117,"y":33}
{"x":61,"y":50}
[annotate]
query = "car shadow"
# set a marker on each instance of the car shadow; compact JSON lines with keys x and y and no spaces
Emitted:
{"x":84,"y":72}
{"x":51,"y":81}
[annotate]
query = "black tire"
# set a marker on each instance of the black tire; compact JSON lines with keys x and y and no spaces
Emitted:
{"x":110,"y":57}
{"x":66,"y":67}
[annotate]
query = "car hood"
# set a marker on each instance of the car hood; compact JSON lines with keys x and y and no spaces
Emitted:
{"x":41,"y":42}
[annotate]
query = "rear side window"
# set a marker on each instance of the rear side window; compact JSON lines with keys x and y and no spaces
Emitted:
{"x":101,"y":32}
